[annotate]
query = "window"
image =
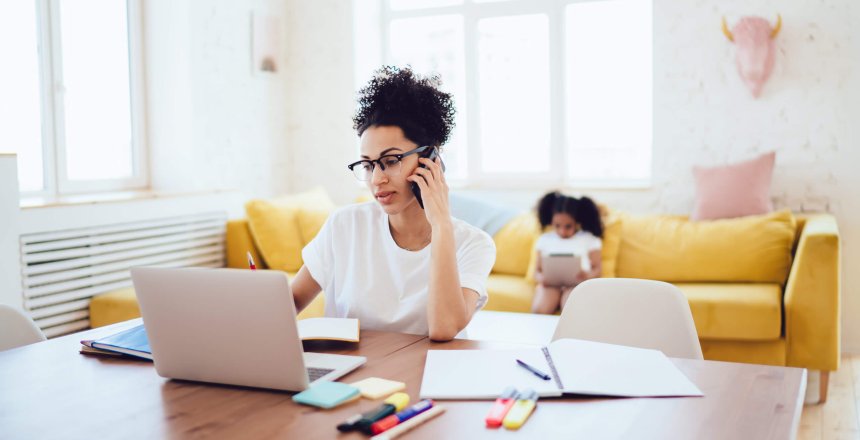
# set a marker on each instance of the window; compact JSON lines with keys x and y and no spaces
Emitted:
{"x":548,"y":92}
{"x":74,"y":111}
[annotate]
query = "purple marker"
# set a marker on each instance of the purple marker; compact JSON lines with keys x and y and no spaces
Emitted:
{"x":408,"y":413}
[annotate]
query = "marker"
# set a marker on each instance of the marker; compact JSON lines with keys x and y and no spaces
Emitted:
{"x":393,"y":403}
{"x":408,"y":413}
{"x":534,"y":370}
{"x":522,"y":409}
{"x":501,"y":407}
{"x":251,"y":262}
{"x":404,"y":427}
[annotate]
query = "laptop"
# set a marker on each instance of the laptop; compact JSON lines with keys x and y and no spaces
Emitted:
{"x":229,"y":326}
{"x":560,"y":269}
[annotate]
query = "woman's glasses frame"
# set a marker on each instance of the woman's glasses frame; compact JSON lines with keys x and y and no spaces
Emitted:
{"x":395,"y":168}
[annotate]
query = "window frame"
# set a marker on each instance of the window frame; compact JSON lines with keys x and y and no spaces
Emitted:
{"x":559,"y":153}
{"x":55,"y":179}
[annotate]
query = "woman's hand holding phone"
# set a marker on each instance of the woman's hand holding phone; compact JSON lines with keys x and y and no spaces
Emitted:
{"x":434,"y":190}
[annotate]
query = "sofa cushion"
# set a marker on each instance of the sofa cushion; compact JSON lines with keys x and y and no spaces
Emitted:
{"x":514,"y":243}
{"x":311,"y":220}
{"x":674,"y":249}
{"x":509,"y":293}
{"x":733,"y":190}
{"x":728,"y":311}
{"x":281,"y":225}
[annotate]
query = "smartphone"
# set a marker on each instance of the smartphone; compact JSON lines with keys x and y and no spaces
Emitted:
{"x":431,"y":154}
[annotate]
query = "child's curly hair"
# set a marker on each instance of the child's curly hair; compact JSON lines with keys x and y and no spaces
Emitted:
{"x":583,"y":210}
{"x":399,"y":97}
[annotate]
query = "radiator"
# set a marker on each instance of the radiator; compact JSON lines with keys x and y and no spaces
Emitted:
{"x":62,"y":270}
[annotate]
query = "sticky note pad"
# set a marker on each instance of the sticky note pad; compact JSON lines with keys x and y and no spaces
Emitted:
{"x":326,"y":394}
{"x":374,"y":387}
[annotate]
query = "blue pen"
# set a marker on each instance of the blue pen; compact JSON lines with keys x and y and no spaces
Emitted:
{"x":534,"y":370}
{"x":394,"y":419}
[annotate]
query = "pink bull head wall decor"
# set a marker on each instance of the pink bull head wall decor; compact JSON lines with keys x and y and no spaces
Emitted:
{"x":754,"y":37}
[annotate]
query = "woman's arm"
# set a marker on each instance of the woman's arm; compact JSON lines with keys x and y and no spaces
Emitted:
{"x":538,"y":269}
{"x":304,"y":288}
{"x":449,"y":307}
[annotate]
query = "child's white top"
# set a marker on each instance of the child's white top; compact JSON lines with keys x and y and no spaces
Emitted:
{"x":581,"y":243}
{"x":365,"y":275}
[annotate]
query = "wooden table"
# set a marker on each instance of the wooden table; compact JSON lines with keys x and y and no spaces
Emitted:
{"x":49,"y":390}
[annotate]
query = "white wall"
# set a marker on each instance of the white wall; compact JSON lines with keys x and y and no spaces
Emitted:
{"x":10,"y":278}
{"x":703,"y":114}
{"x":321,"y":97}
{"x":212,"y":121}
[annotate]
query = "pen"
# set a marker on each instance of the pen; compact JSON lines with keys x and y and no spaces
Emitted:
{"x":251,"y":262}
{"x":534,"y":370}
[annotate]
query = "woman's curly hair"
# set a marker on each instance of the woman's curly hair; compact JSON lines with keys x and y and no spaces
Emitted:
{"x":399,"y":97}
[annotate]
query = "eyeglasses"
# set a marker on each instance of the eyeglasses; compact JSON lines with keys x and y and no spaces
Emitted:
{"x":389,"y":164}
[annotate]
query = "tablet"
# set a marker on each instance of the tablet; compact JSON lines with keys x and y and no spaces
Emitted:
{"x":560,"y":269}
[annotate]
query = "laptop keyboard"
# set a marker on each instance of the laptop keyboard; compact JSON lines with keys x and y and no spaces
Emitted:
{"x":316,"y":373}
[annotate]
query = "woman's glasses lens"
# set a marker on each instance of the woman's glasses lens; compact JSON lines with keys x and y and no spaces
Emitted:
{"x":364,"y":170}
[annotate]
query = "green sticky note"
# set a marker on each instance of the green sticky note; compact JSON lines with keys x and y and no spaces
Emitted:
{"x":326,"y":394}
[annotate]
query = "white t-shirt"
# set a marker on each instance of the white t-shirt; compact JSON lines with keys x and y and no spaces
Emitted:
{"x":365,"y":275}
{"x":581,"y":243}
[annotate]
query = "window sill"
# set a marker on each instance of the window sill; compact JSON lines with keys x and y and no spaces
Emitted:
{"x":109,"y":197}
{"x":607,"y":185}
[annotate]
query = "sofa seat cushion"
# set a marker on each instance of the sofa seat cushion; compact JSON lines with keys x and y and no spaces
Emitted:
{"x":509,"y":293}
{"x":727,"y":311}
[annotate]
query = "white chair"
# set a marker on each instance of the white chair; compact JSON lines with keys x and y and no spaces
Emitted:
{"x":17,"y":329}
{"x":632,"y":312}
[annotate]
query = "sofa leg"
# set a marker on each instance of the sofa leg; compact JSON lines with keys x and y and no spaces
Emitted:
{"x":822,"y":386}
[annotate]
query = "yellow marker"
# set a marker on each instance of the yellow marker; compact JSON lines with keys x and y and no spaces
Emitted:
{"x":522,"y":409}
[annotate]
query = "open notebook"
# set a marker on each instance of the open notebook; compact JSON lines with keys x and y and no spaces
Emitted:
{"x":575,"y":366}
{"x":334,"y":329}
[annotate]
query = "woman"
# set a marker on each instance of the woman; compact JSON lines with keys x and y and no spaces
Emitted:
{"x":391,"y":263}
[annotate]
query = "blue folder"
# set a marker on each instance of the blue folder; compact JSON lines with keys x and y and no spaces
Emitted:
{"x":132,"y":342}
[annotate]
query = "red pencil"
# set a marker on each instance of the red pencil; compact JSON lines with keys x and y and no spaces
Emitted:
{"x":251,"y":262}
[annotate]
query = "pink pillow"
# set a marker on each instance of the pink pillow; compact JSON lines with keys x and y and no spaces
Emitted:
{"x":733,"y":190}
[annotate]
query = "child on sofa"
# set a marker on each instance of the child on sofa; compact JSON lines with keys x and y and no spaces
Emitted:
{"x":576,"y":229}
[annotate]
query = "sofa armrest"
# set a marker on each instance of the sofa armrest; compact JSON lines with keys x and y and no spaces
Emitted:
{"x":238,"y":243}
{"x":812,"y":296}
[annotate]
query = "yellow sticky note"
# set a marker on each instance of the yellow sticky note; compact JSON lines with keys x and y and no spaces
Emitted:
{"x":374,"y":387}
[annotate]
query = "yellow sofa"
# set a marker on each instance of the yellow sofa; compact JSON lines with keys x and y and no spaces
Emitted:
{"x":776,"y":303}
{"x":783,"y":318}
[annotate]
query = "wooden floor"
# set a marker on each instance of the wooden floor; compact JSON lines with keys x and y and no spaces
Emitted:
{"x":838,"y":418}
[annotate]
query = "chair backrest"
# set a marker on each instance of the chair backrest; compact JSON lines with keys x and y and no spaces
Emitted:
{"x":632,"y":312}
{"x":17,"y":329}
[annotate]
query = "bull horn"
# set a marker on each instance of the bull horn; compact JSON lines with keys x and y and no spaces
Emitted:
{"x":727,"y":31}
{"x":776,"y":27}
